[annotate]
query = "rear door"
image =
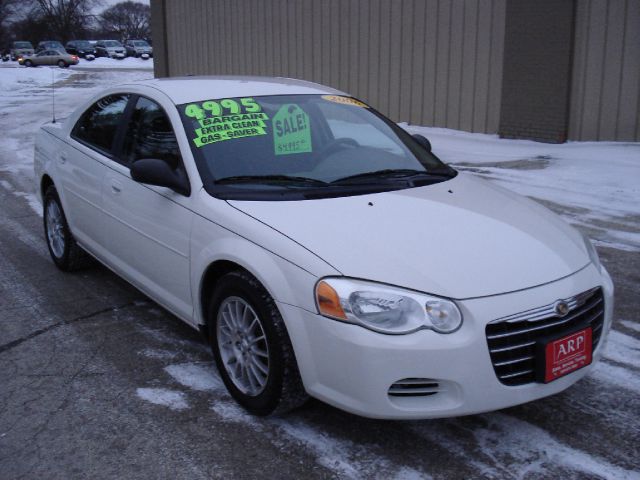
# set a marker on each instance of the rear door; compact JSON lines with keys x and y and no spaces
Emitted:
{"x":149,"y":227}
{"x":82,"y":167}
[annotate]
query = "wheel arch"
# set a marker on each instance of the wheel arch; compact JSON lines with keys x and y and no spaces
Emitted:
{"x":284,"y":281}
{"x":213,"y":273}
{"x":45,"y":182}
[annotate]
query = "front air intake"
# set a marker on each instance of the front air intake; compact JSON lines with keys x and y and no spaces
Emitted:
{"x":414,"y":387}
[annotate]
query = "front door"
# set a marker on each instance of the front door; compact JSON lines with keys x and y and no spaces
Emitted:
{"x":149,"y":227}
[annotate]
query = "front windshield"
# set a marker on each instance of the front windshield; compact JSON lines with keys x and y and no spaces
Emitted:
{"x":140,"y":43}
{"x":294,"y":142}
{"x":83,"y":44}
{"x":112,"y":43}
{"x":22,"y":45}
{"x":53,"y":45}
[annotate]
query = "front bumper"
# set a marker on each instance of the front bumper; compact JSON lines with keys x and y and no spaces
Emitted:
{"x":352,"y":368}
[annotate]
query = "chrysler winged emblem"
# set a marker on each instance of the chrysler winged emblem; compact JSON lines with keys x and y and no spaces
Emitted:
{"x":561,"y":308}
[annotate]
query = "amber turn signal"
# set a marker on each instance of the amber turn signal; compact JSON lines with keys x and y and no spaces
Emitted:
{"x":328,"y":301}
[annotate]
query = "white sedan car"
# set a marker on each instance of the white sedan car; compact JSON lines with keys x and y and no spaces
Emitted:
{"x":322,"y":249}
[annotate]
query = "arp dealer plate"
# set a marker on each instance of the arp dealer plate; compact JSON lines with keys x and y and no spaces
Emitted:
{"x":565,"y":355}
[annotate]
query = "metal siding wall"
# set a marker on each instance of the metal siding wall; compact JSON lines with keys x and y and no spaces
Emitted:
{"x":429,"y":62}
{"x":606,"y":71}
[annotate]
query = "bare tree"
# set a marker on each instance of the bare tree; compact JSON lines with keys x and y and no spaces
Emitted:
{"x":127,"y":20}
{"x":67,"y":18}
{"x":7,"y":10}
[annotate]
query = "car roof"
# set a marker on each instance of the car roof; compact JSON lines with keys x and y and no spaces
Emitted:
{"x":194,"y":89}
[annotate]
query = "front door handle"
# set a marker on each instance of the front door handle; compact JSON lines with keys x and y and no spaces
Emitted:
{"x":62,"y":157}
{"x":116,"y":187}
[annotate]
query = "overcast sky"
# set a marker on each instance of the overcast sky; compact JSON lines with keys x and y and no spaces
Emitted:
{"x":109,"y":3}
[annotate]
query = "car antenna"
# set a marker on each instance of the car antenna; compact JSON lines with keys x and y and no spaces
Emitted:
{"x":53,"y":95}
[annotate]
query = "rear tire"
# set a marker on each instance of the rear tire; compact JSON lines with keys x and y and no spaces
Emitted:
{"x":65,"y":252}
{"x":264,"y":378}
{"x":62,"y":64}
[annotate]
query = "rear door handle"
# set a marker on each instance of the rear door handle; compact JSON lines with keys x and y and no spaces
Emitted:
{"x":116,"y":187}
{"x":62,"y":157}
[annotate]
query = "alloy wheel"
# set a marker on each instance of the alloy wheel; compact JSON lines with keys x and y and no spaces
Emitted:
{"x":55,"y":229}
{"x":242,"y":345}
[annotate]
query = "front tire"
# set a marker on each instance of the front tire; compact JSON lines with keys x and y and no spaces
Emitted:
{"x":28,"y":63}
{"x":252,"y":348}
{"x":65,"y":252}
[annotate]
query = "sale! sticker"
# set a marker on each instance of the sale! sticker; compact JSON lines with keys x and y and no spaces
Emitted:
{"x":291,"y":130}
{"x":568,"y":354}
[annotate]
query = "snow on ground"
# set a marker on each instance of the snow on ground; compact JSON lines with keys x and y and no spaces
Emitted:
{"x":195,"y":376}
{"x":110,"y":63}
{"x":16,"y":80}
{"x":501,"y":446}
{"x":593,"y":185}
{"x":27,"y":101}
{"x":635,"y":326}
{"x":162,"y":396}
{"x":528,"y":450}
{"x":340,"y":456}
{"x":623,"y":348}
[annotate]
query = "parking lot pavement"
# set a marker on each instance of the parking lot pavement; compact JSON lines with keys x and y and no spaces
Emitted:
{"x":97,"y":381}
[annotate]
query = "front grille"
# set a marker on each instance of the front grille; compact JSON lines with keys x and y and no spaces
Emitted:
{"x":414,"y":387}
{"x":512,"y":340}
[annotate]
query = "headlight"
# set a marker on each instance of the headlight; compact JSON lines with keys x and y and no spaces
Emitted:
{"x":385,"y":309}
{"x":591,"y":250}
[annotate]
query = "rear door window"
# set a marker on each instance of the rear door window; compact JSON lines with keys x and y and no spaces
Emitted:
{"x":97,"y":126}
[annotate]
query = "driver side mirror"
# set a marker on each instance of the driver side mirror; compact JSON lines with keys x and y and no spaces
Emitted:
{"x":424,"y":143}
{"x":153,"y":171}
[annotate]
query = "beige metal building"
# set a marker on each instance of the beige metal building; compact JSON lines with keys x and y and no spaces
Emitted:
{"x":549,"y":70}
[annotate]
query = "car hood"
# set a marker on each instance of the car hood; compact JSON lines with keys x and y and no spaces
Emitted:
{"x":462,"y":238}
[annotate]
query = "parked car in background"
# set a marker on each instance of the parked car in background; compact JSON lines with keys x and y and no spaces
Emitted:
{"x":110,"y":49}
{"x":49,"y":57}
{"x":49,"y":45}
{"x":323,"y":249}
{"x":20,"y":49}
{"x":138,"y":48}
{"x":81,"y":48}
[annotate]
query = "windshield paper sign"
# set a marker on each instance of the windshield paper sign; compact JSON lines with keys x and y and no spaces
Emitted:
{"x":291,"y":130}
{"x":226,"y":119}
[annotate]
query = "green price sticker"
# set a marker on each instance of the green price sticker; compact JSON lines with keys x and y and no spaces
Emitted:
{"x":291,"y":130}
{"x":226,"y":119}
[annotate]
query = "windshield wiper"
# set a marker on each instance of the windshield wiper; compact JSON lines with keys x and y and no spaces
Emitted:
{"x":290,"y":179}
{"x":386,"y":173}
